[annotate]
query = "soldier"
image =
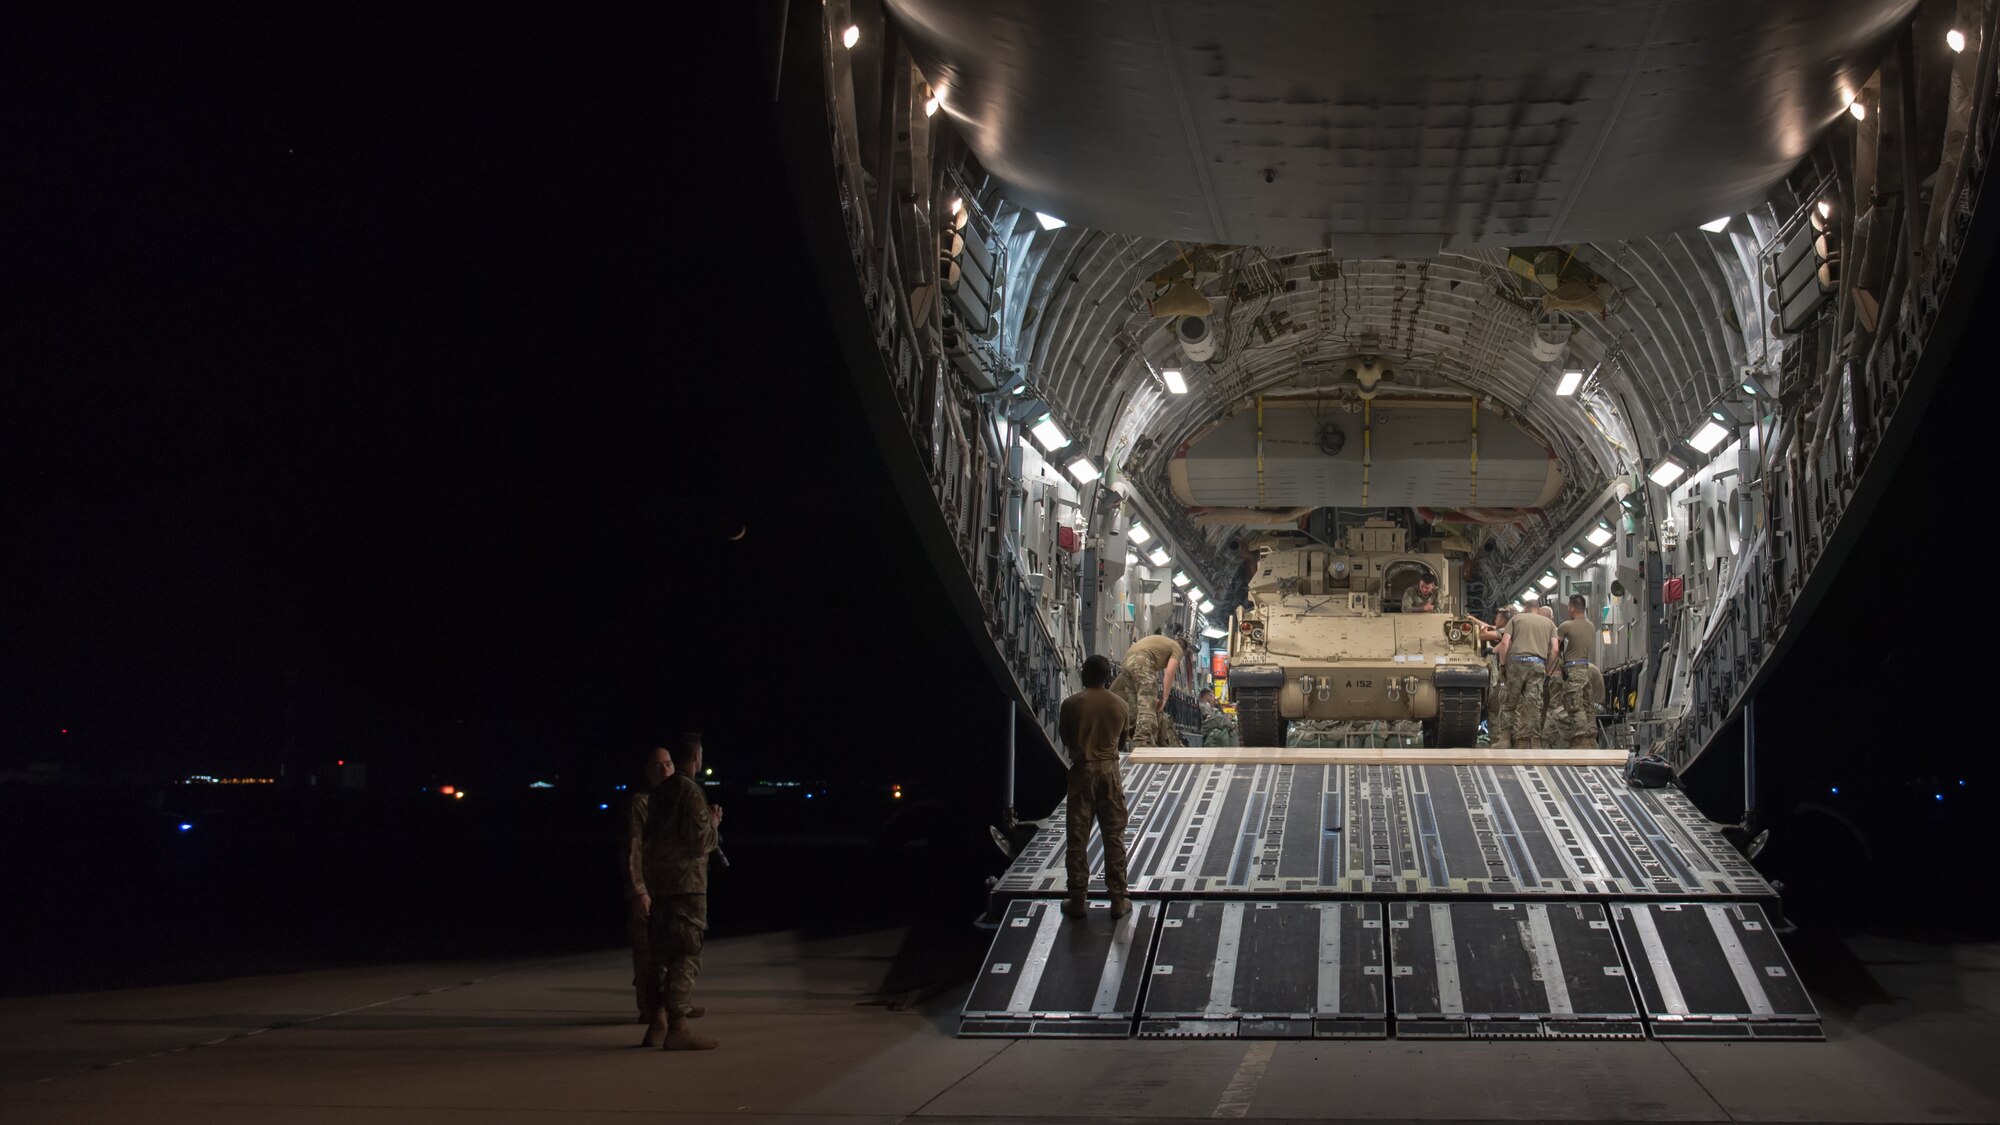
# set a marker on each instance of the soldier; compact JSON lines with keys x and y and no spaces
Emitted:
{"x":1527,"y":649}
{"x":1091,"y":723}
{"x":1576,"y":717}
{"x":1489,"y":638}
{"x":680,"y":832}
{"x":1545,"y":734}
{"x":659,"y":767}
{"x":1423,"y":597}
{"x":1144,"y":683}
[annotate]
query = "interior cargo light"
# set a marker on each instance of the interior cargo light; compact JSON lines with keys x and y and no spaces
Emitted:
{"x":1711,"y":434}
{"x":1531,"y":595}
{"x":1207,"y":607}
{"x":1599,"y":535}
{"x":1048,"y":435}
{"x":1083,"y":470}
{"x":1048,"y":221}
{"x":1546,"y":581}
{"x":1666,"y":472}
{"x":1955,"y":39}
{"x":1195,"y":594}
{"x":1825,"y":209}
{"x":1574,"y":559}
{"x":850,"y":37}
{"x":1749,"y":388}
{"x":1215,"y":634}
{"x":1131,"y":559}
{"x":1604,"y":635}
{"x":1138,"y":533}
{"x":1159,"y":557}
{"x":1181,"y":580}
{"x":931,"y":106}
{"x":1716,"y":226}
{"x":1570,"y":381}
{"x":1175,"y":383}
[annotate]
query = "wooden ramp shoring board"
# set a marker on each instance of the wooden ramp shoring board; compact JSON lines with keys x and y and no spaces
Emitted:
{"x":1373,"y":756}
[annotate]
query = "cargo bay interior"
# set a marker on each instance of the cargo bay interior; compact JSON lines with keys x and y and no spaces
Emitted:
{"x":1632,"y":302}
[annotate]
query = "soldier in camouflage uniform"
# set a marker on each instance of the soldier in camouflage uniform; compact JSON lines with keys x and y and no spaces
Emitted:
{"x":1527,"y":648}
{"x":1092,"y":722}
{"x":1143,"y":683}
{"x":1576,"y":717}
{"x":659,"y":767}
{"x":680,"y":832}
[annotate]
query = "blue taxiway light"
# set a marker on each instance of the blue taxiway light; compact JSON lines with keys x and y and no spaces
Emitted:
{"x":604,"y":806}
{"x":1836,"y":790}
{"x":186,"y":827}
{"x":1940,"y":796}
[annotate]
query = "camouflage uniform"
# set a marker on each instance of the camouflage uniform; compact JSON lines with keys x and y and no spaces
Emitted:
{"x":635,"y":885}
{"x":1416,"y":601}
{"x":1141,"y":674}
{"x":679,"y":835}
{"x":1576,"y":720}
{"x":1096,"y":796}
{"x":1522,"y":693}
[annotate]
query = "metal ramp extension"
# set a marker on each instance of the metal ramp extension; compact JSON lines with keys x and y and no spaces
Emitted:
{"x":1219,"y":959}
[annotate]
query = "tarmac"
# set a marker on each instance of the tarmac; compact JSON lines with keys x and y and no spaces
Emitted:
{"x":834,"y":1030}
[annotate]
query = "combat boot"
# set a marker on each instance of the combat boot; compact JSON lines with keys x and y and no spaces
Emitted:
{"x":1121,"y":905}
{"x":694,"y":1011}
{"x":656,"y":1028}
{"x":681,"y":1038}
{"x":1076,"y":908}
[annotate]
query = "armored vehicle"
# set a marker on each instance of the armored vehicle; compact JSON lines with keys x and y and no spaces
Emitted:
{"x":1324,"y":638}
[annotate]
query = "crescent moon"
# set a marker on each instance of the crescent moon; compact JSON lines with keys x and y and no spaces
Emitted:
{"x":741,"y":531}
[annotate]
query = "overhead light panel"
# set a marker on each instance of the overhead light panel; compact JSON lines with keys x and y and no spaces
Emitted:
{"x":1195,"y":594}
{"x":1048,"y":221}
{"x":850,"y":37}
{"x":1159,"y":557}
{"x":1207,"y":606}
{"x":1711,"y":434}
{"x":1574,"y":559}
{"x":1175,"y":383}
{"x":1215,"y":634}
{"x":1131,"y":559}
{"x":931,"y":106}
{"x":1084,"y":470}
{"x":1138,"y":533}
{"x":1048,"y":435}
{"x":1859,"y":111}
{"x":1546,"y":581}
{"x":1531,"y":595}
{"x":1716,"y":226}
{"x":1825,"y":208}
{"x":1955,"y":39}
{"x":1599,"y":535}
{"x":1666,"y":472}
{"x":1570,"y":381}
{"x":1181,"y":580}
{"x":1750,"y":388}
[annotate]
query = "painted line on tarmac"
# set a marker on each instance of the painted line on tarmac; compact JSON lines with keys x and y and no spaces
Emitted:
{"x":1242,"y":1089}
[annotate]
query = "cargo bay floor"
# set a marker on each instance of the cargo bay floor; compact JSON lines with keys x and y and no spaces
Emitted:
{"x":1911,"y":1034}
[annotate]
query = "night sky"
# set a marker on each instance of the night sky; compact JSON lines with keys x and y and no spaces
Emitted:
{"x":387,"y":387}
{"x":392,"y":386}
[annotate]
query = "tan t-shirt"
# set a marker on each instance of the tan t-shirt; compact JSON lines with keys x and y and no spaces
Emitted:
{"x":1579,"y":640}
{"x":1161,"y":649}
{"x":1092,"y":722}
{"x":1532,"y":633}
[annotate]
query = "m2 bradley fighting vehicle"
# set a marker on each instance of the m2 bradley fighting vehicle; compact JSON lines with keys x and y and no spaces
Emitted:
{"x":1324,"y":638}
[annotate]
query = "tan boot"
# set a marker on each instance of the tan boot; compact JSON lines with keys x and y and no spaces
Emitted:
{"x":656,"y":1029}
{"x":695,"y":1012}
{"x":681,"y":1038}
{"x":1076,"y":908}
{"x":1121,"y":905}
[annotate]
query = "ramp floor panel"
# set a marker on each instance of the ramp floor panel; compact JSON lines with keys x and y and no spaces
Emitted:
{"x":1267,"y":970}
{"x":1396,"y":830}
{"x":1508,"y":970}
{"x":1048,"y":974}
{"x":1713,"y":971}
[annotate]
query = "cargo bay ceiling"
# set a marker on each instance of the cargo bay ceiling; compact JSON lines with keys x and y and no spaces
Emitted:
{"x":1480,"y":195}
